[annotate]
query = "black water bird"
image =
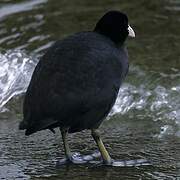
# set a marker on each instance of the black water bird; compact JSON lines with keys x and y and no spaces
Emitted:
{"x":75,"y":84}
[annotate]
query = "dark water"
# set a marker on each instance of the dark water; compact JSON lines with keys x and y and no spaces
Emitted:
{"x":145,"y":121}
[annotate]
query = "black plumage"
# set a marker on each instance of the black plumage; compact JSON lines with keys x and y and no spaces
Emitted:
{"x":76,"y":82}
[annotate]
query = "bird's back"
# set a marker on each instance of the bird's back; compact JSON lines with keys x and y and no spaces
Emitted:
{"x":75,"y":83}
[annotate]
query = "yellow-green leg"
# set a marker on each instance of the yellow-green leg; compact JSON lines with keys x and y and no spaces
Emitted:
{"x":104,"y":153}
{"x":64,"y":133}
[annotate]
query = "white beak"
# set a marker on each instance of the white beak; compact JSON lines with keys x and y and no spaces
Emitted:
{"x":131,"y":31}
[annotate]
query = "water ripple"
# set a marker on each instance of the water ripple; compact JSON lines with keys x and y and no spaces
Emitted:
{"x":16,"y":8}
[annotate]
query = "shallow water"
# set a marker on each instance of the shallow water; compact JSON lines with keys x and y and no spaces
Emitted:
{"x":143,"y":124}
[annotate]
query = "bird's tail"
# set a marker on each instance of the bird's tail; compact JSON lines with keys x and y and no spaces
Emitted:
{"x":32,"y":126}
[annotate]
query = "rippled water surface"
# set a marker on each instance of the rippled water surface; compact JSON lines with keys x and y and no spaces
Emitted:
{"x":143,"y":124}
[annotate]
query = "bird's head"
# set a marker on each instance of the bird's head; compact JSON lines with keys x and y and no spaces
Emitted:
{"x":114,"y":25}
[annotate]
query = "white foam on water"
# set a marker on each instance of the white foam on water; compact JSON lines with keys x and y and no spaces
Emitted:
{"x":15,"y":73}
{"x":157,"y":102}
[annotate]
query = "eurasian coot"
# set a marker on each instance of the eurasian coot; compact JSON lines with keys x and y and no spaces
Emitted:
{"x":76,"y":82}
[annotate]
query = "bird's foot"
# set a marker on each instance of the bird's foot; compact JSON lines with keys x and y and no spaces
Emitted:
{"x":131,"y":163}
{"x":123,"y":163}
{"x":95,"y":160}
{"x":77,"y":158}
